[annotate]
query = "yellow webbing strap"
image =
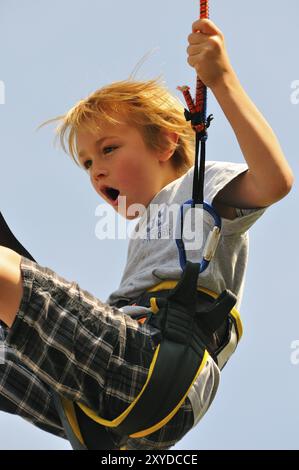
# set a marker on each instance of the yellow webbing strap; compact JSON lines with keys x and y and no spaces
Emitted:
{"x":114,"y":423}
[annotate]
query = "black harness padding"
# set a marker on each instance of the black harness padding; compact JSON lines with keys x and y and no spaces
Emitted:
{"x":95,"y":435}
{"x":212,"y":316}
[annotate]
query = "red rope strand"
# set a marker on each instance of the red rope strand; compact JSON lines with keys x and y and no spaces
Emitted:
{"x":199,"y":103}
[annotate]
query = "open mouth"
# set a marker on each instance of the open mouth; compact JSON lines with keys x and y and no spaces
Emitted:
{"x":111,"y":193}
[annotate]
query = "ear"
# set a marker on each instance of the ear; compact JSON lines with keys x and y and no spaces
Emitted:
{"x":172,"y":140}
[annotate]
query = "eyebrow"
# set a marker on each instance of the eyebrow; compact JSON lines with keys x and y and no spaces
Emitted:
{"x":82,"y":154}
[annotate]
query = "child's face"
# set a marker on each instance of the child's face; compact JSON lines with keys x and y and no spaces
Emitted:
{"x":120,"y":164}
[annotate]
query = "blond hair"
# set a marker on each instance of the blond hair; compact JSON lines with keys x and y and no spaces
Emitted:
{"x":148,"y":105}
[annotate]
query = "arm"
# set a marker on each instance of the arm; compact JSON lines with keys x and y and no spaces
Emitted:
{"x":269,"y":177}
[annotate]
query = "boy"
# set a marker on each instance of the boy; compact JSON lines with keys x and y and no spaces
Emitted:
{"x":134,"y":142}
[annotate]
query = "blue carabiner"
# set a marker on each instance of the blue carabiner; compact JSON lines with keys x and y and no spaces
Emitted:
{"x":204,"y":263}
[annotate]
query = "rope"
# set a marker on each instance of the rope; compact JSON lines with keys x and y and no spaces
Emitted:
{"x":196,"y":113}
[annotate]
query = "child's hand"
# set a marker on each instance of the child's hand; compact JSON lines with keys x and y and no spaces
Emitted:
{"x":207,"y":53}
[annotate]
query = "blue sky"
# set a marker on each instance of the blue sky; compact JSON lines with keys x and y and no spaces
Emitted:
{"x":54,"y":53}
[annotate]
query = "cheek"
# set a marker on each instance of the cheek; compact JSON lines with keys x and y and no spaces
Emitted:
{"x":133,"y":171}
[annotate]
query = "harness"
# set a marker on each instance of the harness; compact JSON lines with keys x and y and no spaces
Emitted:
{"x":193,"y":324}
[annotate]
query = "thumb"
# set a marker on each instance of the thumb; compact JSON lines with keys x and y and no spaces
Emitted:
{"x":205,"y":26}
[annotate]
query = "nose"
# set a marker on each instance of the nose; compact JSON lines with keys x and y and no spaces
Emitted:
{"x":97,"y":173}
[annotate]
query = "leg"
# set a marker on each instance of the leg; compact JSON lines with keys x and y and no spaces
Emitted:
{"x":11,"y":290}
{"x":10,"y":282}
{"x":73,"y":342}
{"x":23,"y":394}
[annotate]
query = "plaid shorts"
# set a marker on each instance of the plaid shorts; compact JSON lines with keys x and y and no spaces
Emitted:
{"x":66,"y":340}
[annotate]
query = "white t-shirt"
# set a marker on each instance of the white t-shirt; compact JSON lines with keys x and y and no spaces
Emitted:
{"x":153,"y":255}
